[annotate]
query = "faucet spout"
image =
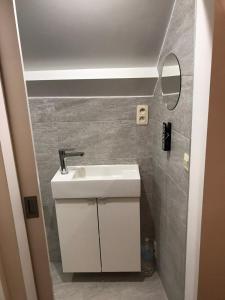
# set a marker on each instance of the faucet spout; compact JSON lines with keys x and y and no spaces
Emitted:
{"x":63,"y":153}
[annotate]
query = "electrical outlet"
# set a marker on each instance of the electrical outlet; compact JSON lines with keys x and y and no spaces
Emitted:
{"x":142,"y":114}
{"x":186,"y":161}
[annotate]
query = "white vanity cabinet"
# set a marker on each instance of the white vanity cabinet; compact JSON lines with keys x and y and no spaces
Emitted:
{"x":98,"y":217}
{"x":119,"y":230}
{"x":99,"y":235}
{"x":78,"y":235}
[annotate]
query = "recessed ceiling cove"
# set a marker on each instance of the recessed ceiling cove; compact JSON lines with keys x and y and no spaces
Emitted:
{"x":79,"y":34}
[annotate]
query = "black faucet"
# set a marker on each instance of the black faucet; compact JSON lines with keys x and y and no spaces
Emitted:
{"x":63,"y":153}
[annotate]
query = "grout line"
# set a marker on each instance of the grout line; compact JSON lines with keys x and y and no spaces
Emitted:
{"x":165,"y":172}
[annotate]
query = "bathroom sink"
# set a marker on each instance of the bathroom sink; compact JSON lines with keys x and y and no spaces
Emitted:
{"x":97,"y":181}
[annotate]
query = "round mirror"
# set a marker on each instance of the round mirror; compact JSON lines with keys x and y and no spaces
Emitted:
{"x":171,"y":81}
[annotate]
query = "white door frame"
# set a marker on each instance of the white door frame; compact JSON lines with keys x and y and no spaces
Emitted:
{"x":23,"y":150}
{"x":202,"y":70}
{"x":202,"y":76}
{"x":2,"y":277}
{"x":16,"y":203}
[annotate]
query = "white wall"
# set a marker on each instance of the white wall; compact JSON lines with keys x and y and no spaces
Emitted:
{"x":202,"y":74}
{"x":77,"y":34}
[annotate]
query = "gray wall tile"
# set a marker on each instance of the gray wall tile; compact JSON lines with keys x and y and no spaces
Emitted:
{"x":174,"y":162}
{"x":181,"y":116}
{"x":42,"y":110}
{"x":105,"y":129}
{"x":170,"y":179}
{"x":99,"y":140}
{"x":172,"y":238}
{"x":177,"y":204}
{"x":159,"y":200}
{"x":97,"y":109}
{"x":46,"y":140}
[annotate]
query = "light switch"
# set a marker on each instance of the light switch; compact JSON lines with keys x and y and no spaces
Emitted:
{"x":142,"y":114}
{"x":186,"y":161}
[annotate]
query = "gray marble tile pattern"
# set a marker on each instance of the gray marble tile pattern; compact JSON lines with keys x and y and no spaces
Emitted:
{"x":170,"y":179}
{"x":181,"y":116}
{"x":105,"y":129}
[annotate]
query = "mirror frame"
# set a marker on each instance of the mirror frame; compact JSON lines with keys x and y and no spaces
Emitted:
{"x":179,"y":65}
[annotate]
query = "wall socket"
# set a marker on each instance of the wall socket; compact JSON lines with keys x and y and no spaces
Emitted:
{"x":142,"y":114}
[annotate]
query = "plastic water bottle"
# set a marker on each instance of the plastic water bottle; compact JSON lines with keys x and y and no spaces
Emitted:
{"x":147,"y":253}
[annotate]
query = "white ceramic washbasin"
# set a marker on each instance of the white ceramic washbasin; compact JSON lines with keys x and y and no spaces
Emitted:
{"x":96,"y":181}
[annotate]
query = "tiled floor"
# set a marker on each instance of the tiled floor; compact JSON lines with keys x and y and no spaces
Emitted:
{"x":106,"y":286}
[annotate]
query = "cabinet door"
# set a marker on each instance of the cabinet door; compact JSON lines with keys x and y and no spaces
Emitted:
{"x":119,"y":227}
{"x":78,"y":235}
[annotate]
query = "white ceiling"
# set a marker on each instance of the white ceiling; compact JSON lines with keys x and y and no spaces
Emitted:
{"x":76,"y":34}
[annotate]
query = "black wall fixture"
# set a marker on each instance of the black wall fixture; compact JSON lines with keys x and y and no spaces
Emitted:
{"x":31,"y":207}
{"x":166,"y":136}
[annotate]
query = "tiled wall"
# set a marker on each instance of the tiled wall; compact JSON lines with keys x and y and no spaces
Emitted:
{"x":170,"y":180}
{"x":105,"y":129}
